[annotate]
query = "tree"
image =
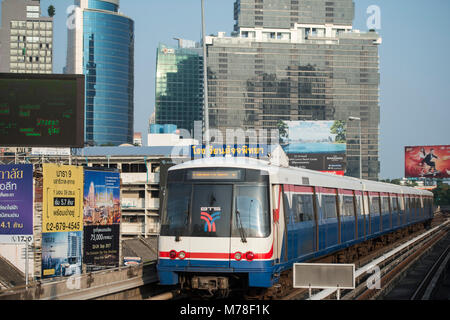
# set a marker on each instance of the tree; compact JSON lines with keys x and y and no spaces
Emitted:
{"x":283,"y":130}
{"x":338,"y":128}
{"x":442,"y":194}
{"x":51,"y":11}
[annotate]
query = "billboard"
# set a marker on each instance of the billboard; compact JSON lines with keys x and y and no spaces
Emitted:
{"x":232,"y":150}
{"x":101,"y":218}
{"x":39,"y":110}
{"x":62,"y":198}
{"x":16,"y":203}
{"x":315,"y":145}
{"x":61,"y":254}
{"x":427,"y":161}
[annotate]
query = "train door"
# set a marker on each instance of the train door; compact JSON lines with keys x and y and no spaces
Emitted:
{"x":413,"y":207}
{"x":422,"y":208}
{"x":280,"y":234}
{"x":374,"y":213}
{"x":394,"y":210}
{"x":401,"y":210}
{"x":359,"y":210}
{"x":347,"y":215}
{"x":385,"y":212}
{"x":407,"y":210}
{"x":302,"y":216}
{"x":210,"y":220}
{"x":366,"y":210}
{"x":329,"y":227}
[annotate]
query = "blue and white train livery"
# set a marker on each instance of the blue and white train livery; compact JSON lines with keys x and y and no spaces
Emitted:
{"x":236,"y":221}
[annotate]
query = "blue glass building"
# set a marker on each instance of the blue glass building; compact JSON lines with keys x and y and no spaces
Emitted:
{"x":101,"y":46}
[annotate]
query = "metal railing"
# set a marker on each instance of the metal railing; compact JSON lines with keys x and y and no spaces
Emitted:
{"x":86,"y":286}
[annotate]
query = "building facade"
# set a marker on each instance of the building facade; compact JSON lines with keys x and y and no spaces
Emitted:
{"x":298,"y":60}
{"x":179,"y":85}
{"x":26,"y":38}
{"x":101,"y":46}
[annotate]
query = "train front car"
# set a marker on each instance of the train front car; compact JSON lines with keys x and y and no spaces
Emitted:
{"x":216,"y":229}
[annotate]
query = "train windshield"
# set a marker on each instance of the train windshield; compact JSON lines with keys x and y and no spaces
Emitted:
{"x":216,"y":209}
{"x":251,"y":217}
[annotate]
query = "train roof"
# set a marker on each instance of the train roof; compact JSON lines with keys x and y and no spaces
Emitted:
{"x":292,"y":175}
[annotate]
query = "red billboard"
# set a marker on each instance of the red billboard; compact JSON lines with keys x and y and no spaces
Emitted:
{"x":427,"y":162}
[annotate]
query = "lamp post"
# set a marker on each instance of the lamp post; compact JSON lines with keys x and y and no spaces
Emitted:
{"x":360,"y":144}
{"x":205,"y":83}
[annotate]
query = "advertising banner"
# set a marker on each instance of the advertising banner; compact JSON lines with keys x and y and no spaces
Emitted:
{"x":240,"y":150}
{"x":427,"y":162}
{"x":63,"y":198}
{"x":101,"y":247}
{"x":101,"y":217}
{"x":61,"y":254}
{"x":16,"y":203}
{"x":315,"y":145}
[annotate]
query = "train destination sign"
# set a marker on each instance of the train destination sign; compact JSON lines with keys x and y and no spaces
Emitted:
{"x":213,"y":175}
{"x":41,"y":110}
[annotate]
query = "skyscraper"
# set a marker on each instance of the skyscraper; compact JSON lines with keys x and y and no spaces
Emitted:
{"x":101,"y":46}
{"x":26,"y":38}
{"x":179,"y":85}
{"x":297,"y":60}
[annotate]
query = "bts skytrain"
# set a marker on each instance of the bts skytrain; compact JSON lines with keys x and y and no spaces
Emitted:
{"x":238,"y":222}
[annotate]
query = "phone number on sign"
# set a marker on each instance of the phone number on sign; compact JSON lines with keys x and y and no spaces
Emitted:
{"x":62,"y":226}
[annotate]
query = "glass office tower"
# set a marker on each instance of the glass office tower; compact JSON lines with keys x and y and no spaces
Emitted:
{"x":101,"y":46}
{"x":179,"y":85}
{"x":298,"y":60}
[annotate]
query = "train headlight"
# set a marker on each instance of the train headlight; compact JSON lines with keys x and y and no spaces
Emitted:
{"x":182,"y":255}
{"x":238,"y":256}
{"x":173,"y":254}
{"x":249,"y":256}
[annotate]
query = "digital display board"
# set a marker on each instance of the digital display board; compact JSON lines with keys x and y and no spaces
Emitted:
{"x":213,"y":175}
{"x":38,"y":110}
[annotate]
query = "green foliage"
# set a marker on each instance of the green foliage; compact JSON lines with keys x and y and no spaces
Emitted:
{"x":51,"y":11}
{"x":283,"y":130}
{"x":338,"y":128}
{"x":442,"y":194}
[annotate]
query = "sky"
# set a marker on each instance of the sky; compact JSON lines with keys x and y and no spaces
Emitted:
{"x":414,"y":62}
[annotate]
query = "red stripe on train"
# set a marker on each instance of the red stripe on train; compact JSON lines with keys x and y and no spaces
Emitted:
{"x":216,"y":255}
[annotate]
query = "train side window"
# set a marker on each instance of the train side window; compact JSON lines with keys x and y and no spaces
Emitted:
{"x":358,"y":205}
{"x":401,"y":204}
{"x":287,"y":208}
{"x":303,"y":207}
{"x":394,"y":202}
{"x":374,"y":205}
{"x":329,"y":206}
{"x":348,"y":207}
{"x":385,"y":205}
